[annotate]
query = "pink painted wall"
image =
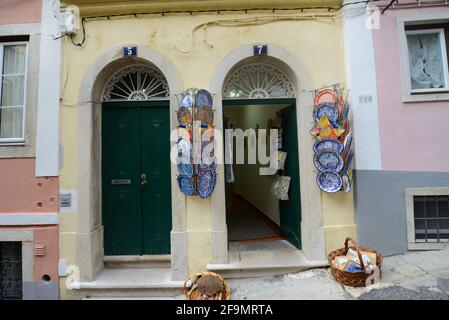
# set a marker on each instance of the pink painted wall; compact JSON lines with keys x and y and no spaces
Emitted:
{"x":20,"y":11}
{"x":48,"y":264}
{"x":21,"y":191}
{"x":413,"y":136}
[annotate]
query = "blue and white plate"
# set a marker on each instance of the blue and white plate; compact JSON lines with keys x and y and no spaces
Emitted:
{"x":326,"y":109}
{"x":184,"y":148}
{"x":203,"y":99}
{"x":206,"y":183}
{"x":187,"y":100}
{"x":331,"y":144}
{"x":328,"y":160}
{"x":186,"y":185}
{"x":329,"y":181}
{"x":185,"y":166}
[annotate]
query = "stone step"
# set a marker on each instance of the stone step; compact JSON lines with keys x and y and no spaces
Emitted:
{"x":130,"y":283}
{"x":262,"y":263}
{"x":137,"y":262}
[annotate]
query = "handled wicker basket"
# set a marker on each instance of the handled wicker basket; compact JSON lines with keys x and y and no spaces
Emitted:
{"x":353,"y":279}
{"x":206,"y":286}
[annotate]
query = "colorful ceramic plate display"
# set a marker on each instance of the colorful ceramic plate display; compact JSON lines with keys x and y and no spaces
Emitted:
{"x":330,"y":144}
{"x":184,"y":116}
{"x":206,"y":183}
{"x":329,"y":181}
{"x":187,"y":100}
{"x":203,"y":99}
{"x":205,"y":115}
{"x":186,"y":185}
{"x":328,"y":160}
{"x":326,"y":109}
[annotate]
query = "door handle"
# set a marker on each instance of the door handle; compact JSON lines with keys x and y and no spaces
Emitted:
{"x":143,"y":179}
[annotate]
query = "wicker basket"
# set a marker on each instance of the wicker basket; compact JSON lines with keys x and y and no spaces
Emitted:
{"x":353,"y":279}
{"x":193,"y":291}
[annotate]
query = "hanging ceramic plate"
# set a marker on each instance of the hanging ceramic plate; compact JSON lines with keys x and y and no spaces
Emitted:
{"x":325,"y":95}
{"x":205,"y":115}
{"x":203,"y":99}
{"x":186,"y":185}
{"x":348,"y":160}
{"x":184,"y":116}
{"x":346,"y":183}
{"x":206,"y":183}
{"x":184,"y":148}
{"x":331,"y":144}
{"x":209,"y":163}
{"x":348,"y":142}
{"x":326,"y":109}
{"x":328,"y":160}
{"x":185,"y":166}
{"x":187,"y":100}
{"x":329,"y":181}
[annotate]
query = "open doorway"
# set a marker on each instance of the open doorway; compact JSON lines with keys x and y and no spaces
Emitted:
{"x":253,"y":213}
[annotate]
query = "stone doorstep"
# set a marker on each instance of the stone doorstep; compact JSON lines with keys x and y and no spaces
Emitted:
{"x":250,"y":264}
{"x":155,"y":278}
{"x":144,"y":261}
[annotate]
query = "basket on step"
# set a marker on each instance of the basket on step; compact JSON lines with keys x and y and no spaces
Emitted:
{"x":206,"y":286}
{"x":354,"y":279}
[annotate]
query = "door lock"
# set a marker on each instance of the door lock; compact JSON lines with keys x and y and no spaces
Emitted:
{"x":143,"y":179}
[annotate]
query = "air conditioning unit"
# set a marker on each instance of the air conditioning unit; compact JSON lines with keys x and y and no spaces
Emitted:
{"x":68,"y":23}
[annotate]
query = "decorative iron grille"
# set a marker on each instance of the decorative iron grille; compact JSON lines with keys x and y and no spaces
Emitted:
{"x":10,"y":270}
{"x":258,"y":81}
{"x":136,"y":83}
{"x":431,"y":215}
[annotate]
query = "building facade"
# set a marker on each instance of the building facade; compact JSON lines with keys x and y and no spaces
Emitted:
{"x":29,"y":189}
{"x":202,"y":45}
{"x":90,"y":198}
{"x":402,"y":189}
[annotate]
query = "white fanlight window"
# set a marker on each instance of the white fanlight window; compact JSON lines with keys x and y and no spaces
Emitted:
{"x":258,"y":81}
{"x":13,"y":66}
{"x":136,"y":83}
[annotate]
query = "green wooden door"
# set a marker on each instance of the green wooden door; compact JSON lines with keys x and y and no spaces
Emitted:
{"x":290,"y":210}
{"x":136,"y":193}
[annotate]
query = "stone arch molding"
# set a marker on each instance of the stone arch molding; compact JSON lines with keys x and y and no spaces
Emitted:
{"x":89,"y":239}
{"x":312,"y":232}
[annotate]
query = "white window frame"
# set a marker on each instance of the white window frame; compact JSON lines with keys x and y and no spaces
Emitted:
{"x":21,"y":140}
{"x":440,"y":32}
{"x":410,"y":210}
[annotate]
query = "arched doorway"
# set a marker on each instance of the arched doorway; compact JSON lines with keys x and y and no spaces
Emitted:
{"x":259,"y":95}
{"x":135,"y":147}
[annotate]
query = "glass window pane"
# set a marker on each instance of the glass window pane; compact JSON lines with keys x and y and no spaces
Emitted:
{"x":426,"y":61}
{"x":420,"y":224}
{"x":14,"y":59}
{"x":431,"y":207}
{"x":443,"y":207}
{"x":12,"y":90}
{"x":419,"y":208}
{"x":11,"y":122}
{"x":444,"y":225}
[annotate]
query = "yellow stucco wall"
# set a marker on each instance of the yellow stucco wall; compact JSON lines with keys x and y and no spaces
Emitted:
{"x":318,"y":44}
